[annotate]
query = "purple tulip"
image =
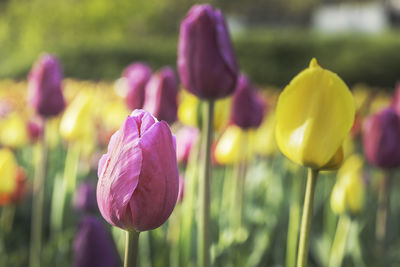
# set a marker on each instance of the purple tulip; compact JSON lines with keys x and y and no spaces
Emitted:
{"x":186,"y":138}
{"x":161,"y":95}
{"x":35,"y":127}
{"x":206,"y":59}
{"x":94,"y":246}
{"x":45,"y":92}
{"x":138,"y":177}
{"x":85,"y":198}
{"x":247,"y":106}
{"x":381,"y":139}
{"x":137,"y":75}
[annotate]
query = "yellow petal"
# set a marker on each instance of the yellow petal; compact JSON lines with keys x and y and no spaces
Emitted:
{"x":8,"y":171}
{"x":188,"y":109}
{"x":265,"y":143}
{"x":314,"y":113}
{"x":338,"y":199}
{"x":13,"y":131}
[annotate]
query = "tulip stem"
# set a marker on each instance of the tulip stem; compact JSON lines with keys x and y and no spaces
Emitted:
{"x":294,"y":221}
{"x":204,"y":188}
{"x":131,"y":248}
{"x":382,"y":213}
{"x":37,"y":201}
{"x":306,"y":218}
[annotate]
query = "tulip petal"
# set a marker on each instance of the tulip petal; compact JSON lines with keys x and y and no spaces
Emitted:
{"x":155,"y":197}
{"x":121,"y":170}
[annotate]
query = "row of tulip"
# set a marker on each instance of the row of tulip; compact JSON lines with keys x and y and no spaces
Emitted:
{"x":147,"y":169}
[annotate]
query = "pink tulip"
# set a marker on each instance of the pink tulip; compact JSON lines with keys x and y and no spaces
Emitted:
{"x":137,"y":75}
{"x":138,"y":177}
{"x":186,"y":139}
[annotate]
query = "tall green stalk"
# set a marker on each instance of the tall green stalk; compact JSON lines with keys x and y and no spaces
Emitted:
{"x":382,"y":213}
{"x":131,"y":248}
{"x":305,"y":228}
{"x":294,"y":221}
{"x":37,"y":202}
{"x":204,"y":188}
{"x":338,"y":248}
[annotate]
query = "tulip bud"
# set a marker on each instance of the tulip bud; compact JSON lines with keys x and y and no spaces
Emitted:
{"x":13,"y":131}
{"x":138,"y":177}
{"x":35,"y":129}
{"x":381,"y":139}
{"x":314,"y":114}
{"x":247,"y":107}
{"x":45,"y":92}
{"x":137,"y":75}
{"x":161,"y":95}
{"x":206,"y":59}
{"x":94,"y":246}
{"x":8,"y":171}
{"x":85,"y":198}
{"x":186,"y":138}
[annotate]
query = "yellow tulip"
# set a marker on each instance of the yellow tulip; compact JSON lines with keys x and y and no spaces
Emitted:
{"x":265,"y":143}
{"x":8,"y":171}
{"x":234,"y":146}
{"x":77,"y":122}
{"x":113,"y":114}
{"x":13,"y":131}
{"x":349,"y":190}
{"x":314,"y":114}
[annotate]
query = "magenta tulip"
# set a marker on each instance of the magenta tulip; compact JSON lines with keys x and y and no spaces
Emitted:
{"x":161,"y":95}
{"x":45,"y":90}
{"x":247,"y":106}
{"x":137,"y":75}
{"x":206,"y":59}
{"x":138,"y":177}
{"x":381,"y":140}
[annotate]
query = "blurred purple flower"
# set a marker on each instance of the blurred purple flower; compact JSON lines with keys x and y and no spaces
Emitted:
{"x":35,"y":128}
{"x":247,"y":106}
{"x":138,"y":177}
{"x":206,"y":59}
{"x":94,"y":246}
{"x":85,"y":198}
{"x":45,"y":90}
{"x":381,"y":139}
{"x":161,"y":95}
{"x":137,"y":75}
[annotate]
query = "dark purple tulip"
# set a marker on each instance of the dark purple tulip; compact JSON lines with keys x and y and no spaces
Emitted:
{"x":137,"y":75}
{"x":247,"y":106}
{"x":94,"y":246}
{"x":85,"y":198}
{"x":35,"y":128}
{"x":45,"y":92}
{"x":161,"y":95}
{"x":381,"y":139}
{"x":206,"y":59}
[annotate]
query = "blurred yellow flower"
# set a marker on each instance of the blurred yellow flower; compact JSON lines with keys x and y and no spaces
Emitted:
{"x":113,"y":114}
{"x":314,"y":114}
{"x":13,"y":131}
{"x":77,"y":121}
{"x":189,"y":108}
{"x":8,"y":171}
{"x":264,"y":139}
{"x":234,"y":146}
{"x":349,"y":190}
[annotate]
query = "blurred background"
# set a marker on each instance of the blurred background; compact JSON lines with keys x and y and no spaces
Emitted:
{"x":96,"y":39}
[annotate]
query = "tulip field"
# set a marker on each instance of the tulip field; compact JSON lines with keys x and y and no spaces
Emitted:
{"x":197,"y":164}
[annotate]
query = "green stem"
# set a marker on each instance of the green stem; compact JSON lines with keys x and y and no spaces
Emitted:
{"x":294,"y":222}
{"x":306,"y":218}
{"x":382,"y":214}
{"x":204,"y":188}
{"x":131,"y":248}
{"x":37,"y":202}
{"x":338,"y":248}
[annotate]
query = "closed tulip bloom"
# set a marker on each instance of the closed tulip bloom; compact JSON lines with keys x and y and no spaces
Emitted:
{"x":138,"y":177}
{"x":247,"y":106}
{"x":381,"y":139}
{"x":137,"y":75}
{"x":161,"y":95}
{"x":186,"y":138}
{"x":314,"y":114}
{"x":45,"y":90}
{"x":94,"y":246}
{"x":8,"y":171}
{"x":35,"y":128}
{"x":206,"y":59}
{"x":85,"y":198}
